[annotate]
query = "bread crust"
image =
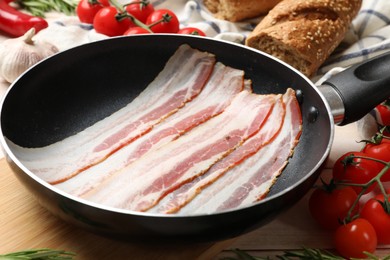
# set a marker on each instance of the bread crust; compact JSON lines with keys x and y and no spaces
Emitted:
{"x":238,"y":10}
{"x":304,"y":33}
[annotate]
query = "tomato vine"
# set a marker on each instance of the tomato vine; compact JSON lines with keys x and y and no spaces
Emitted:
{"x":357,"y":230}
{"x":135,"y":17}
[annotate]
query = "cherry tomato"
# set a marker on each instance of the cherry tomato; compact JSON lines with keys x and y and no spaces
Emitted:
{"x":380,"y":151}
{"x":163,"y":21}
{"x":375,"y":213}
{"x":104,"y":2}
{"x":356,"y":170}
{"x":86,"y":10}
{"x":140,"y":9}
{"x":354,"y":238}
{"x":105,"y":22}
{"x":383,"y":113}
{"x":328,"y":208}
{"x":136,"y":30}
{"x":192,"y":31}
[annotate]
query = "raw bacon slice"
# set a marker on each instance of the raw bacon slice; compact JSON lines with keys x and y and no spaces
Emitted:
{"x":224,"y":84}
{"x":182,"y":79}
{"x":251,"y":180}
{"x":180,"y":197}
{"x":164,"y":83}
{"x":218,"y":93}
{"x":157,"y":173}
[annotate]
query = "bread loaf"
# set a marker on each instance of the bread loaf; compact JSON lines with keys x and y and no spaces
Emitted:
{"x":304,"y":33}
{"x":238,"y":10}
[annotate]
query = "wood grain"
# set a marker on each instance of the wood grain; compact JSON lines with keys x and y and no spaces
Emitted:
{"x":292,"y":230}
{"x":25,"y":225}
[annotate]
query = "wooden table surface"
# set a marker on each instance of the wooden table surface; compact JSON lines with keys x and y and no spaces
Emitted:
{"x":25,"y":224}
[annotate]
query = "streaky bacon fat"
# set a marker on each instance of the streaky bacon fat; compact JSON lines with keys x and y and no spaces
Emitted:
{"x":177,"y":199}
{"x":182,"y":79}
{"x":161,"y":85}
{"x":178,"y":147}
{"x":159,"y":172}
{"x":222,"y":87}
{"x":251,"y":180}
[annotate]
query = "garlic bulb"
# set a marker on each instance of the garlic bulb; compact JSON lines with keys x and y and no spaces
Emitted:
{"x":18,"y":54}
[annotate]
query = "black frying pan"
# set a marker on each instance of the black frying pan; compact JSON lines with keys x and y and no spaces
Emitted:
{"x":73,"y":89}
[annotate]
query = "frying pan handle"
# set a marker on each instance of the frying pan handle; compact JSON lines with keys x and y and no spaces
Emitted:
{"x":362,"y":87}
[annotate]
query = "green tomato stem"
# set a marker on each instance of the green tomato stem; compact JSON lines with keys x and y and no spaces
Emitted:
{"x":365,"y":186}
{"x":143,"y":3}
{"x":138,"y":22}
{"x":165,"y":19}
{"x":378,"y":137}
{"x":94,"y":2}
{"x":122,"y":14}
{"x":117,"y":5}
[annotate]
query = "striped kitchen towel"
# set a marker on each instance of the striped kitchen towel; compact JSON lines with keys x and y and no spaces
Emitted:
{"x":368,"y":36}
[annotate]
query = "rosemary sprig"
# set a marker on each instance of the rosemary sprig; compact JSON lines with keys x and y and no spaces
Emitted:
{"x":304,"y":254}
{"x":41,"y":7}
{"x":39,"y":254}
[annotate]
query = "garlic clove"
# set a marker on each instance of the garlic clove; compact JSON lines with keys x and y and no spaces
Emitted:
{"x":19,"y":54}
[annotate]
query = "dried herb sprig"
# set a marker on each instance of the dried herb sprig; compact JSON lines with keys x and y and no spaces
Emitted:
{"x":41,"y":7}
{"x":304,"y":254}
{"x":39,"y":254}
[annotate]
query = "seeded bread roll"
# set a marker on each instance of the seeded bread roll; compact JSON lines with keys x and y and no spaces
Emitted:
{"x":238,"y":10}
{"x":304,"y":33}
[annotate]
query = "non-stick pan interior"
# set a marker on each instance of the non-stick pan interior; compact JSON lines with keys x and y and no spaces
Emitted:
{"x":74,"y":89}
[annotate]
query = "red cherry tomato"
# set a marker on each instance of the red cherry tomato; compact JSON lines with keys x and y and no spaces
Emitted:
{"x":105,"y":22}
{"x":354,"y":238}
{"x":104,"y":2}
{"x":86,"y":10}
{"x":136,"y":30}
{"x":383,"y":113}
{"x":356,"y":170}
{"x":163,"y":21}
{"x":328,"y":208}
{"x":375,"y":213}
{"x":192,"y":31}
{"x":380,"y":151}
{"x":140,"y":9}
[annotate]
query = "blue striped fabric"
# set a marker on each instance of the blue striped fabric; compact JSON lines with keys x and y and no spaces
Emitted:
{"x":369,"y":34}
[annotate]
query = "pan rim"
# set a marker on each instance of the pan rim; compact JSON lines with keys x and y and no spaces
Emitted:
{"x":11,"y":158}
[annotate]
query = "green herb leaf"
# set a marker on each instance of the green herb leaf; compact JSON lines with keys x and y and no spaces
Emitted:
{"x":39,"y":254}
{"x":304,"y":254}
{"x":41,"y":7}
